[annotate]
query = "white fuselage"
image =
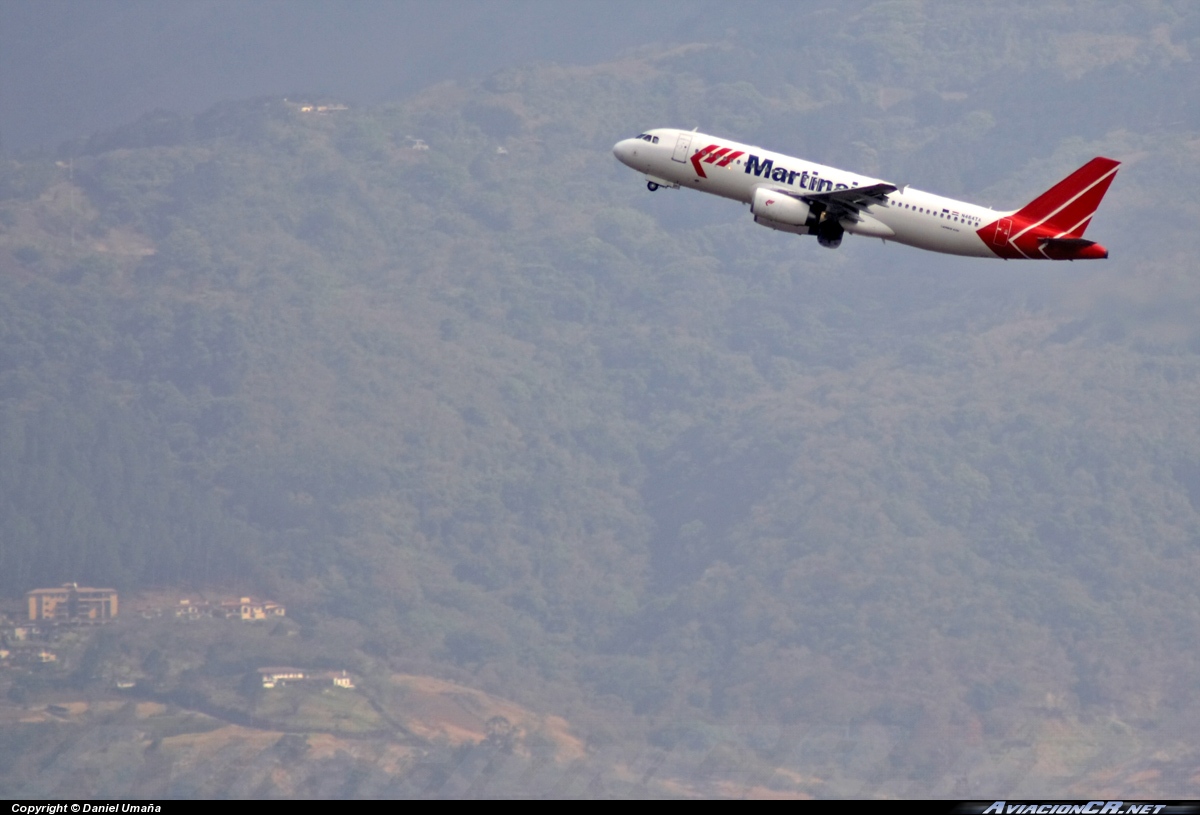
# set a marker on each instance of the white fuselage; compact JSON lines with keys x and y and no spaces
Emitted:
{"x":681,"y":158}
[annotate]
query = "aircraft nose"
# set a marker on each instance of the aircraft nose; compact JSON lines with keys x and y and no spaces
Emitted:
{"x":624,"y":150}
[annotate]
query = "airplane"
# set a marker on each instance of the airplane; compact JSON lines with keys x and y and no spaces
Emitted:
{"x":797,"y":196}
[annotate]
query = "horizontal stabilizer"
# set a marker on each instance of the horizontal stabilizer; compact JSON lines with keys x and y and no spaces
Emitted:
{"x":1067,"y":243}
{"x":1071,"y":249}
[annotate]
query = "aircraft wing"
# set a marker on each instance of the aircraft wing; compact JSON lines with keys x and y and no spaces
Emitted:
{"x":850,"y":201}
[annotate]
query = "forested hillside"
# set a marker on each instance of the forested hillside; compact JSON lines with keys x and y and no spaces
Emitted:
{"x":489,"y":410}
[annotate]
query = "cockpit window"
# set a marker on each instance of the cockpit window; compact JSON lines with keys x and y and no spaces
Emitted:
{"x":656,"y":139}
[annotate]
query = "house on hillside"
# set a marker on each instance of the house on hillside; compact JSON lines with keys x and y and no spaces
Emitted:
{"x":308,"y":107}
{"x":339,"y":679}
{"x":193,"y":610}
{"x":72,"y":603}
{"x":18,"y":633}
{"x":280,"y":676}
{"x":247,"y":608}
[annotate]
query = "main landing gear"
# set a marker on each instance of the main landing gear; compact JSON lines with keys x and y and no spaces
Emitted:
{"x":650,"y":185}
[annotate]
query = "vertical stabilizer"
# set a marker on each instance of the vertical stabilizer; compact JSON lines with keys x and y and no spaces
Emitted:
{"x":1067,"y":208}
{"x":1051,"y":226}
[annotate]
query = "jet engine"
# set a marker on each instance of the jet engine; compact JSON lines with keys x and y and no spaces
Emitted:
{"x":829,"y":233}
{"x":777,"y":210}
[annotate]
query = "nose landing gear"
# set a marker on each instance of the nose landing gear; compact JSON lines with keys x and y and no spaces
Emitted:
{"x":650,"y":185}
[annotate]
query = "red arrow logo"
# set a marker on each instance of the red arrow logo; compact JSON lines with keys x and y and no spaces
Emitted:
{"x":710,"y":155}
{"x":698,"y":156}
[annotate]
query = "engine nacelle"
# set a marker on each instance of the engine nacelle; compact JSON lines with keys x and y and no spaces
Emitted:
{"x":829,"y":233}
{"x":769,"y":224}
{"x":783,"y":212}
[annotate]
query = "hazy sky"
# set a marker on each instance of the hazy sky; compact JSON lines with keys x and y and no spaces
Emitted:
{"x":69,"y":68}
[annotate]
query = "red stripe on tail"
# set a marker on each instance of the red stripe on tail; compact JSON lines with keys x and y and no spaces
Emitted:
{"x":1067,"y":207}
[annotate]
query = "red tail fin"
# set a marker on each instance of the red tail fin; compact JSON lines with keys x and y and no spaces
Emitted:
{"x":1067,"y":208}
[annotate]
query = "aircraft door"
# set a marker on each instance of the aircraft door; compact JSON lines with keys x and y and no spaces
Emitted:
{"x":681,"y":148}
{"x":1003,"y":227}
